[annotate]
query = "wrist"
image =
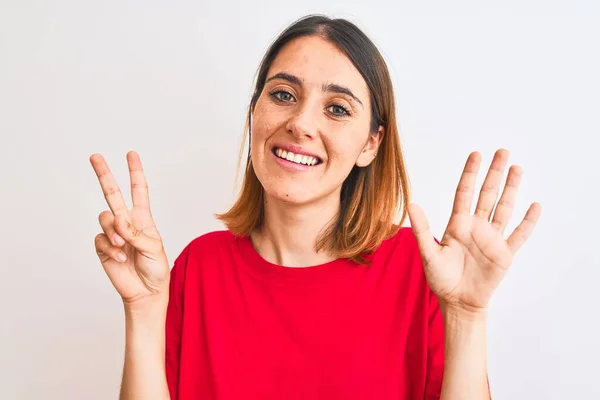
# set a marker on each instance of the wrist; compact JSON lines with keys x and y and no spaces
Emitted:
{"x":462,"y":314}
{"x":146,"y":312}
{"x":145,"y":331}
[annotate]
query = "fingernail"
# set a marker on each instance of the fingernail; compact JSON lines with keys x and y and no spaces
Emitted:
{"x":121,"y":257}
{"x":118,"y":240}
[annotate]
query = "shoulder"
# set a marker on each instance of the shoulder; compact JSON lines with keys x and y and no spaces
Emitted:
{"x":399,"y":258}
{"x":204,"y":247}
{"x":211,"y":241}
{"x":402,"y":244}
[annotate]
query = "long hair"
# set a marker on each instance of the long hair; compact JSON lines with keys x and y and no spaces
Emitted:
{"x":371,"y":196}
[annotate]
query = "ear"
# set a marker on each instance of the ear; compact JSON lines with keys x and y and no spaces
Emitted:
{"x":369,"y":151}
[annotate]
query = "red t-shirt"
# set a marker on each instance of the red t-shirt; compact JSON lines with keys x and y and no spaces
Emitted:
{"x":239,"y":327}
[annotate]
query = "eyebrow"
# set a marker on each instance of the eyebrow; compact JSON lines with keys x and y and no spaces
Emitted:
{"x":330,"y":87}
{"x":333,"y":88}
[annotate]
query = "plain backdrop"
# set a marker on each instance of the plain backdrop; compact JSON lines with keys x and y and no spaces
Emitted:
{"x":172,"y":80}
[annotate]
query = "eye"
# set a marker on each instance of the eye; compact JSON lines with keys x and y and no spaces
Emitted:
{"x":338,"y":110}
{"x":282,"y":95}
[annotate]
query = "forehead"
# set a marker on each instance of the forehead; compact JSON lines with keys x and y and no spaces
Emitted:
{"x":317,"y":61}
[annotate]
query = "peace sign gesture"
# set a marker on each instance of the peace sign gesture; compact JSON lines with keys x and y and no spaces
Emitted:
{"x":130,"y":249}
{"x":465,"y":268}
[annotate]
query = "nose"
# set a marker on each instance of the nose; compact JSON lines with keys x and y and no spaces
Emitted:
{"x":303,"y":123}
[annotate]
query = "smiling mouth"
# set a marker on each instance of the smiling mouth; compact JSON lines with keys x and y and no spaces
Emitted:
{"x":296,"y":158}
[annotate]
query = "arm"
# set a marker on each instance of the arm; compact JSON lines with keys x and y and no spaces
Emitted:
{"x":132,"y":254}
{"x":468,"y":264}
{"x":144,"y":370}
{"x":465,"y":375}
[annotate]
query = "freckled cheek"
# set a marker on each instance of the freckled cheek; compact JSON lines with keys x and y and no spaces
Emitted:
{"x":262,"y":131}
{"x":340,"y":151}
{"x":263,"y":125}
{"x":269,"y":117}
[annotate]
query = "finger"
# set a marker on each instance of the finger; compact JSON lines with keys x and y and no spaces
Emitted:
{"x":525,"y":228}
{"x":111,"y":190}
{"x":106,"y":250}
{"x":466,"y":186}
{"x":107,"y":222}
{"x":136,"y":238}
{"x":506,"y":205}
{"x":420,"y":227}
{"x":139,"y":186}
{"x":491,"y":185}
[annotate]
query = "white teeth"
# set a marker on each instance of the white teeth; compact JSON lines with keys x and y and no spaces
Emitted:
{"x":296,"y":158}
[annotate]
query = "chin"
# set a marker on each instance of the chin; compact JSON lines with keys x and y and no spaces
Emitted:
{"x":291,"y":194}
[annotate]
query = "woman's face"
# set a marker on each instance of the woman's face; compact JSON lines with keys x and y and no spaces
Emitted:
{"x":311,"y":123}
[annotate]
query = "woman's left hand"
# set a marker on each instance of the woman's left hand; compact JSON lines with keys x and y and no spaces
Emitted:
{"x":467,"y":265}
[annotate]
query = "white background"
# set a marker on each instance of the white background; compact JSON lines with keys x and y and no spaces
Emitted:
{"x":172,"y":80}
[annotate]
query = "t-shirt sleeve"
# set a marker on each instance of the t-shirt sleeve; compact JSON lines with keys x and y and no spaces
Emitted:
{"x":174,"y":323}
{"x":435,"y":350}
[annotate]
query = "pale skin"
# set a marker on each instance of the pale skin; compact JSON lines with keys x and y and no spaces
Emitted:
{"x":141,"y":279}
{"x":468,"y":265}
{"x":304,"y":114}
{"x":463,"y":270}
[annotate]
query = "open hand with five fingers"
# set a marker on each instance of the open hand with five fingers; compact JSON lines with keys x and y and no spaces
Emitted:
{"x":473,"y":256}
{"x":130,"y":248}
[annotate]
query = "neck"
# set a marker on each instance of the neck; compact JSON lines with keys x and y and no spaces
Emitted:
{"x":289,"y":233}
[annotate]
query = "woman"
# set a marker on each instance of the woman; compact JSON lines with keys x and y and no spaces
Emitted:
{"x":313,"y":292}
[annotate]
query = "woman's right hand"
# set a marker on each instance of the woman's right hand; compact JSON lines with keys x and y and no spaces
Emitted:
{"x":130,"y":248}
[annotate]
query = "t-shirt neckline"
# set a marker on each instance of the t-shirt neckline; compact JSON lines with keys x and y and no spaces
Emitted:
{"x":265,"y":269}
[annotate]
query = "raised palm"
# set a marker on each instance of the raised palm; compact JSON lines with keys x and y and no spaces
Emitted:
{"x":130,"y":232}
{"x":473,"y":256}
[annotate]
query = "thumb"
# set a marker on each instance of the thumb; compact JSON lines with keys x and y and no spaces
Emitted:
{"x":135,"y":237}
{"x":427,"y":245}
